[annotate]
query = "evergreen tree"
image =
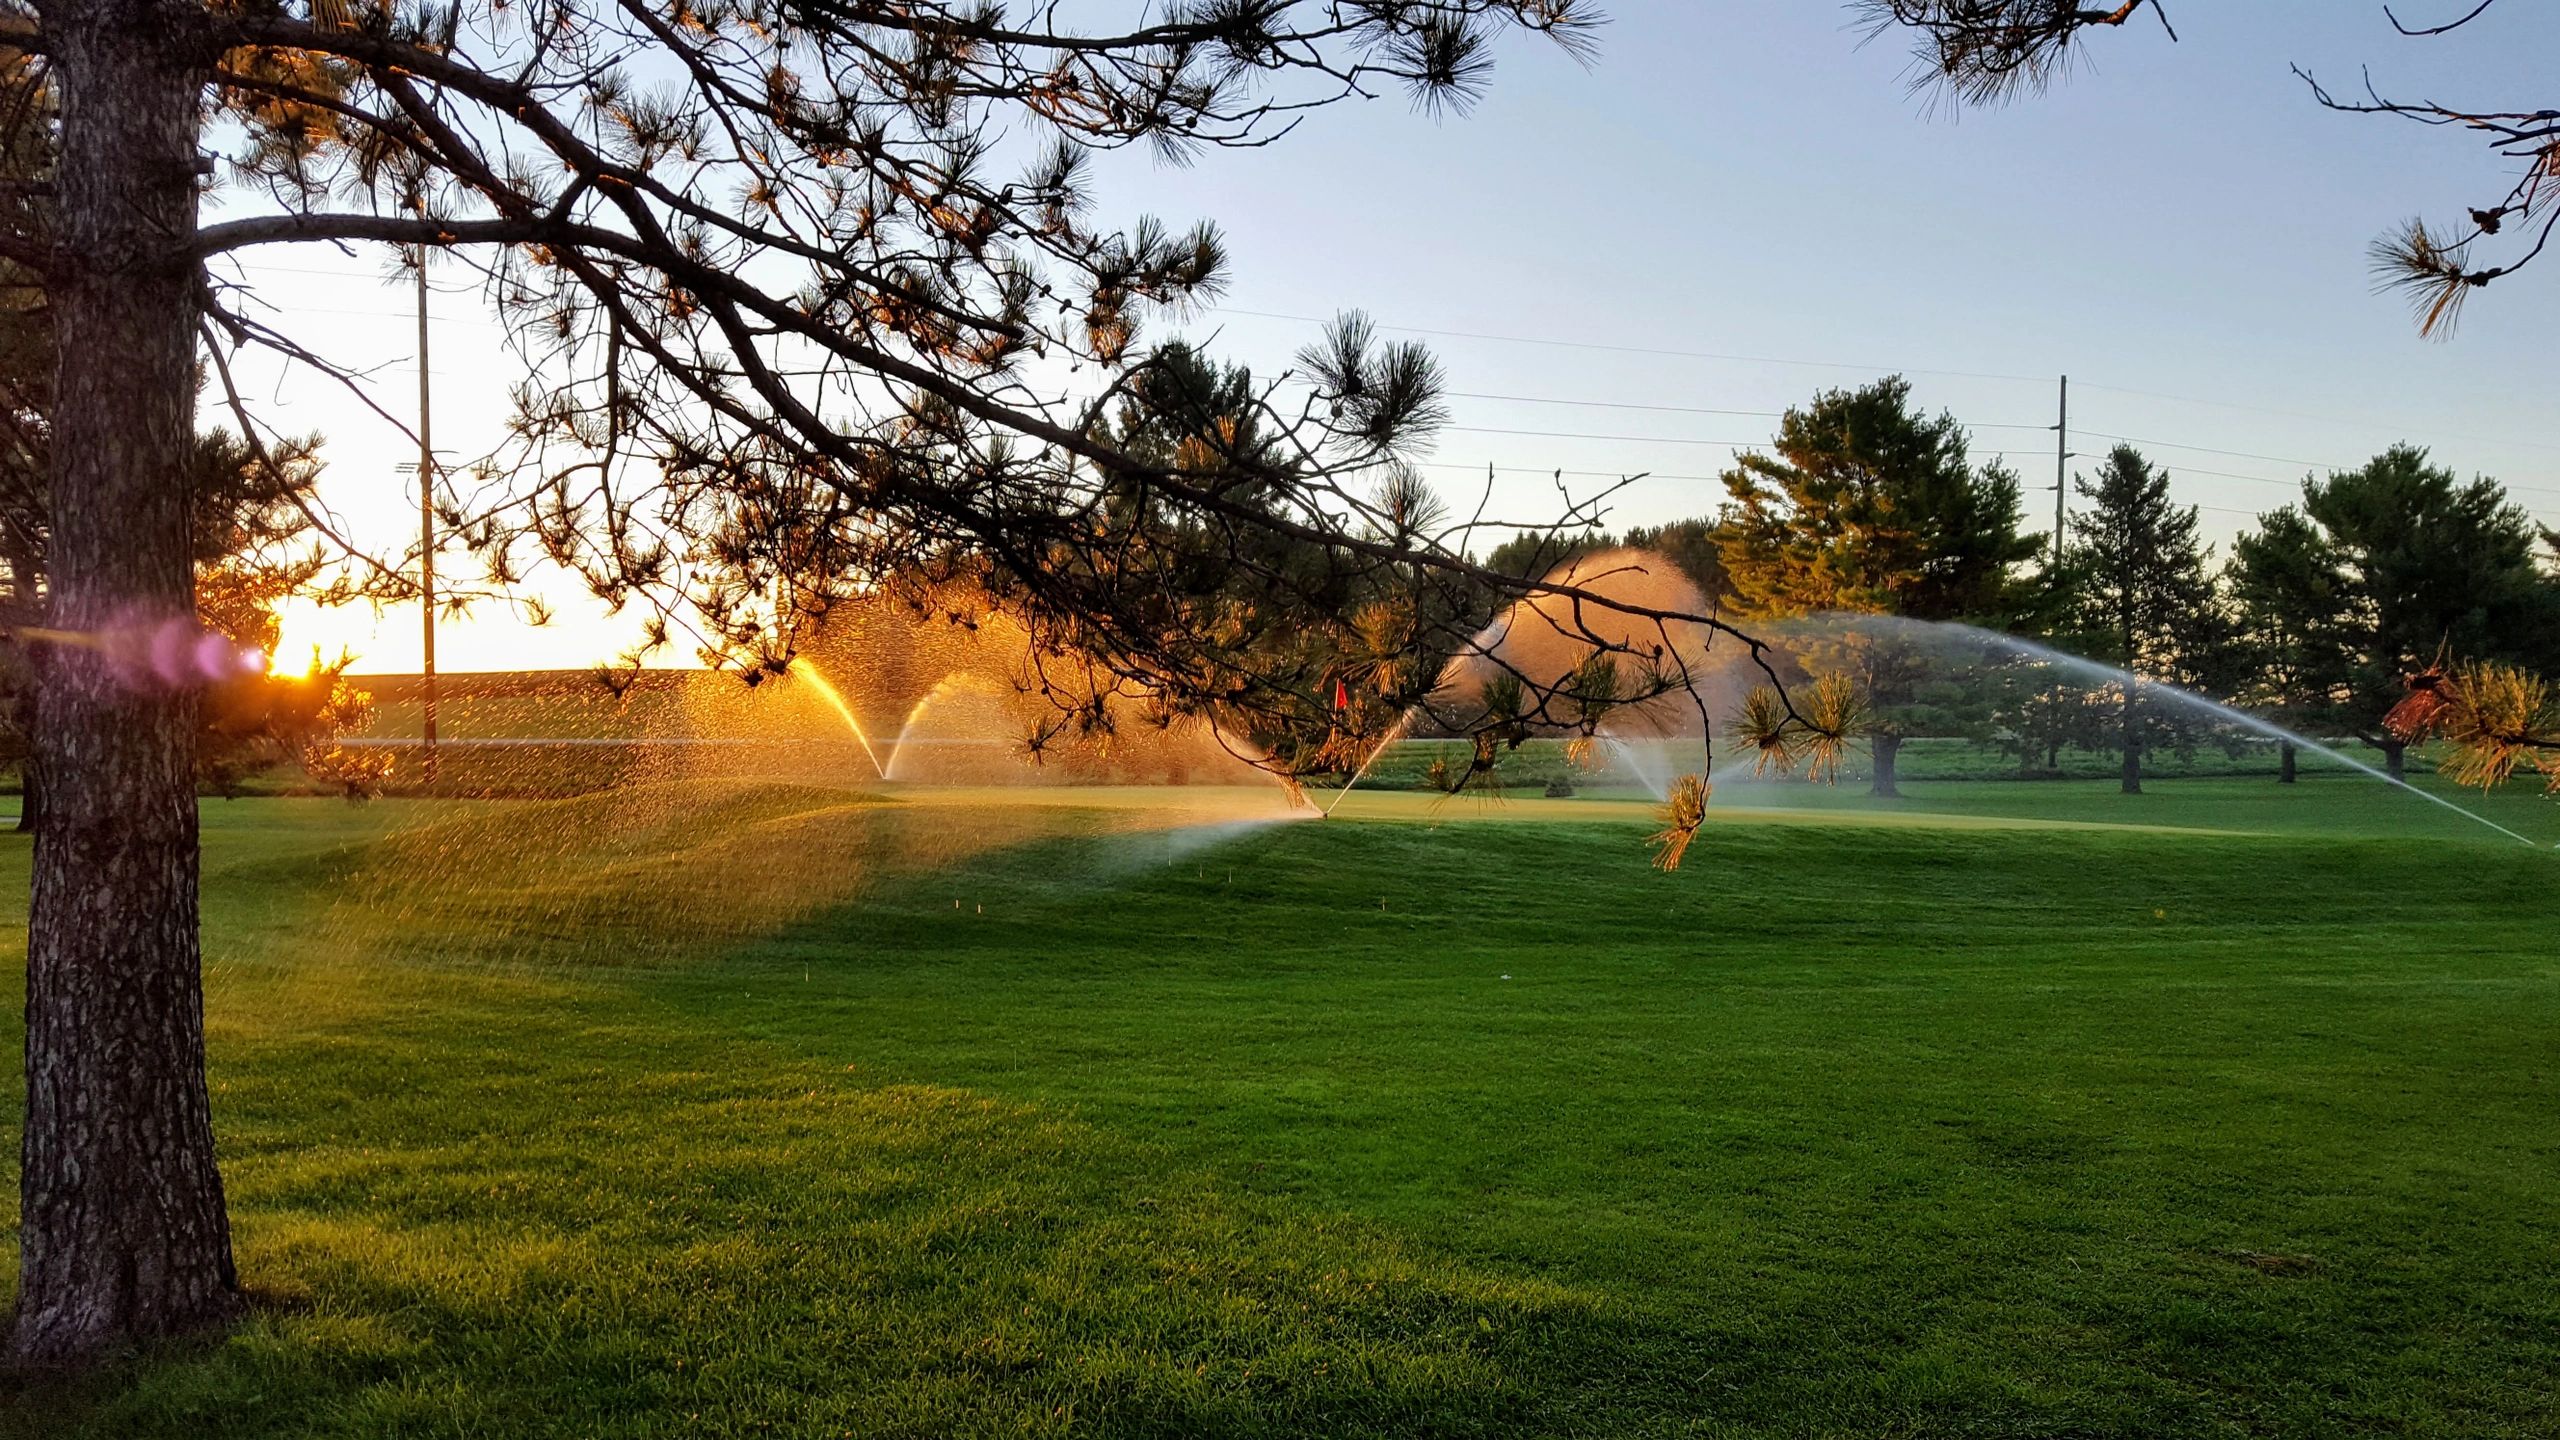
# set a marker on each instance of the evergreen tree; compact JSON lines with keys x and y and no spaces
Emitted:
{"x":1532,"y":554}
{"x":2378,"y":573}
{"x":2035,"y":710}
{"x":1190,"y":415}
{"x":1692,"y":545}
{"x":250,"y":508}
{"x":1865,"y":506}
{"x":2139,"y":589}
{"x":2290,"y":608}
{"x":778,"y":275}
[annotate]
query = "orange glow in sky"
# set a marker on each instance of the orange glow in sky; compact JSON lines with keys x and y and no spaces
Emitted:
{"x":386,"y":639}
{"x":291,"y":661}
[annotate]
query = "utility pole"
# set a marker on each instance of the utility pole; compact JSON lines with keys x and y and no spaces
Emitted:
{"x":426,"y":528}
{"x":2061,"y":455}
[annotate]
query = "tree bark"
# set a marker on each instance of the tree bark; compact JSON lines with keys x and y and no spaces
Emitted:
{"x":2133,"y":738}
{"x":2284,"y":762}
{"x":123,"y":1235}
{"x":1887,"y":749}
{"x":2395,"y":759}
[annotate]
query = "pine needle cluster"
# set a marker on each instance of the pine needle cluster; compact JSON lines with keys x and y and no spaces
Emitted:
{"x":1682,"y":812}
{"x":1783,"y":740}
{"x":2497,"y":717}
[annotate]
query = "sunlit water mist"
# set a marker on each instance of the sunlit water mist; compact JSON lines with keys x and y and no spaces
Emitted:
{"x":1649,"y":765}
{"x":930,"y":703}
{"x":2156,"y":691}
{"x":1956,"y":648}
{"x":688,"y":808}
{"x":967,"y":723}
{"x":1546,"y":638}
{"x":807,"y":670}
{"x":1394,"y":733}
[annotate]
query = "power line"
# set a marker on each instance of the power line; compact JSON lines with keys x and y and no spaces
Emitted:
{"x":1693,"y":409}
{"x":1614,"y":405}
{"x":2366,"y":423}
{"x":1696,"y":355}
{"x":2280,"y":460}
{"x":1657,"y":439}
{"x":377,"y":276}
{"x":1780,"y":414}
{"x":2229,"y":475}
{"x":1667,"y":475}
{"x":1970,"y":425}
{"x":439,"y":318}
{"x":1634,"y":349}
{"x":1713,"y":479}
{"x":2209,"y":450}
{"x":1581,"y":435}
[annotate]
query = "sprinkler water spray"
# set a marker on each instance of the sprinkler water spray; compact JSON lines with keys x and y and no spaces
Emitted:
{"x":828,"y":692}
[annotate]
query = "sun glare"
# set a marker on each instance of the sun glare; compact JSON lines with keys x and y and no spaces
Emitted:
{"x":309,"y":633}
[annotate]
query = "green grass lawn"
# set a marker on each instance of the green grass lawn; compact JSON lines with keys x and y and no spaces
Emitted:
{"x":763,"y":1109}
{"x":1406,"y":764}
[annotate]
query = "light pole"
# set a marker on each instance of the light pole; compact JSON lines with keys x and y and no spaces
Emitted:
{"x":426,"y":528}
{"x":2061,"y":458}
{"x":424,"y":467}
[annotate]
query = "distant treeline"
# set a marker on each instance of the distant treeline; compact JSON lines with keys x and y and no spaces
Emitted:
{"x":2317,"y":617}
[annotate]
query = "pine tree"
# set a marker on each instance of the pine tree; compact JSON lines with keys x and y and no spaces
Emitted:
{"x":1867,"y":507}
{"x":1691,"y":546}
{"x":251,"y":505}
{"x":779,"y":276}
{"x":2139,"y":590}
{"x":2290,"y":609}
{"x":2378,"y":573}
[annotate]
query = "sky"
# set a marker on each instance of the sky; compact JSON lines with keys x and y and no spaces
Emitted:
{"x":1736,"y":205}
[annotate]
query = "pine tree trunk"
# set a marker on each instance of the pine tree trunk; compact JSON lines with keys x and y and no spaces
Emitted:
{"x":2284,"y":762}
{"x":1887,"y":748}
{"x":2133,"y":738}
{"x":2395,"y":759}
{"x":123,"y":1235}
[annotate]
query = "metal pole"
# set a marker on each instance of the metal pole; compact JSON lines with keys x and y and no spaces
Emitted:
{"x":2061,"y":453}
{"x":426,"y":528}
